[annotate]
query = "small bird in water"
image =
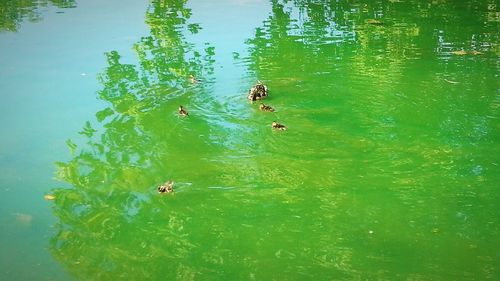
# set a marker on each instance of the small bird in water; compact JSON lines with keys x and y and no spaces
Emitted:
{"x":278,"y":126}
{"x":167,"y":187}
{"x":267,"y":108}
{"x":258,"y":92}
{"x":182,"y":111}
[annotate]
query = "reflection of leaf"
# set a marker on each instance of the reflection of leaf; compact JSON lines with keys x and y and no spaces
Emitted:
{"x":101,"y":115}
{"x":71,"y":146}
{"x":210,"y":51}
{"x":64,"y":171}
{"x":374,"y":22}
{"x":113,"y":223}
{"x":87,"y":130}
{"x":459,"y":53}
{"x":13,"y":12}
{"x":194,"y":28}
{"x":113,"y":176}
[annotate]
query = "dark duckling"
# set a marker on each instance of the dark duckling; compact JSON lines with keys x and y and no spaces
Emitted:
{"x":278,"y":126}
{"x":258,"y":92}
{"x":182,"y":111}
{"x":167,"y":187}
{"x":267,"y":108}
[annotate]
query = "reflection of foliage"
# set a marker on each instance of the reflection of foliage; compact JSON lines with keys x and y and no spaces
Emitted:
{"x":342,"y":29}
{"x":12,"y":12}
{"x":110,"y":211}
{"x":375,"y":77}
{"x":371,"y":46}
{"x":112,"y":222}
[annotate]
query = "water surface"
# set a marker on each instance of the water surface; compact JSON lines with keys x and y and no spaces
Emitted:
{"x":388,"y":170}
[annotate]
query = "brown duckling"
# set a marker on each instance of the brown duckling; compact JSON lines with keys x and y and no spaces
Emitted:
{"x":267,"y":108}
{"x":167,"y":187}
{"x":258,"y":92}
{"x":182,"y":111}
{"x":278,"y":126}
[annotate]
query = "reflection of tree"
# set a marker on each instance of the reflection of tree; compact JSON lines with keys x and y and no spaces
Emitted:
{"x":377,"y":78}
{"x":12,"y":12}
{"x":110,"y":223}
{"x":342,"y":29}
{"x":372,"y":46}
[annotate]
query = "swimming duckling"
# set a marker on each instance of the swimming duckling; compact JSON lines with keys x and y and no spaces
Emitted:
{"x":167,"y":187}
{"x":267,"y":108}
{"x":182,"y":111}
{"x":278,"y":126}
{"x":258,"y":92}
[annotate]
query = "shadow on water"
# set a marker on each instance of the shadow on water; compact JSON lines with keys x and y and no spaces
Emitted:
{"x":357,"y":188}
{"x":13,"y":12}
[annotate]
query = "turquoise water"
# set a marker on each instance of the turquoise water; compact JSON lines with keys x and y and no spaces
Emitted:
{"x":388,"y":170}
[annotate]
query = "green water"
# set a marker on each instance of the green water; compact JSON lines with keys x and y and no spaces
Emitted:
{"x":389,"y":169}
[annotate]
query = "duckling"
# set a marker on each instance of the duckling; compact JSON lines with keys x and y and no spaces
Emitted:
{"x":278,"y":126}
{"x":267,"y":108}
{"x":258,"y":92}
{"x":182,"y":111}
{"x":167,"y":187}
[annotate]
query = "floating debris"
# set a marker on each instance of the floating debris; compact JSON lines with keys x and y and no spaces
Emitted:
{"x":23,"y":219}
{"x":49,"y":197}
{"x":451,"y":82}
{"x":463,"y":53}
{"x":459,"y":53}
{"x":193,"y":79}
{"x":374,"y":22}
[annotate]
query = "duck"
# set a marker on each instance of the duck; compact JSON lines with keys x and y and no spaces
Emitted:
{"x":167,"y":187}
{"x":278,"y":126}
{"x":258,"y":92}
{"x":182,"y":111}
{"x":267,"y":108}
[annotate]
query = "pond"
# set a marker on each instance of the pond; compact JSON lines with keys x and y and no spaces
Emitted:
{"x":388,"y":170}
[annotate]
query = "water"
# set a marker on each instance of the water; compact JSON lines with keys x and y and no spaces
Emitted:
{"x":389,"y":169}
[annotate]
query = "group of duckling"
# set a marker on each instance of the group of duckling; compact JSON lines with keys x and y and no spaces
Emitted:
{"x":257,"y":92}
